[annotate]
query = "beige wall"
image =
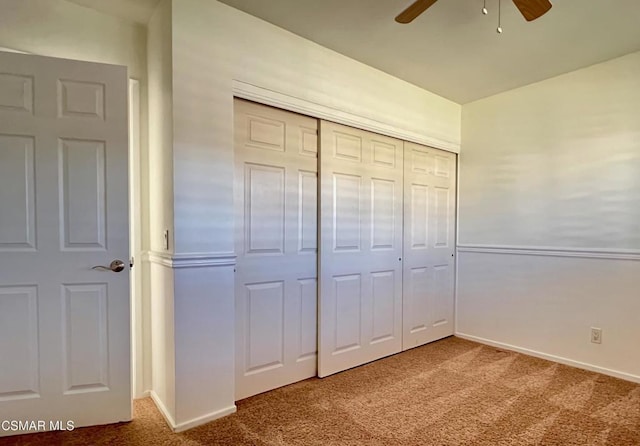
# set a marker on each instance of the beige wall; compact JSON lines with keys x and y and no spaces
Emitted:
{"x":550,"y":217}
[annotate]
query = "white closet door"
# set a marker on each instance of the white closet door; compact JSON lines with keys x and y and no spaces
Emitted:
{"x":428,"y":267}
{"x":64,"y":327}
{"x":360,"y":311}
{"x":276,"y":242}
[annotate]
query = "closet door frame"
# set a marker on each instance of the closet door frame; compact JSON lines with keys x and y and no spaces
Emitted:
{"x":267,"y":97}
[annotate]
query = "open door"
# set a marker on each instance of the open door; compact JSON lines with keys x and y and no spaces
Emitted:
{"x":64,"y":325}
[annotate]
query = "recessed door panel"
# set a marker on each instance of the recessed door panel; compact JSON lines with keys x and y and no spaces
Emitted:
{"x":442,"y":216}
{"x":309,"y":142}
{"x":346,"y":199}
{"x":20,"y":377}
{"x":382,"y":214}
{"x":383,"y":293}
{"x":417,"y":297}
{"x":443,"y":166}
{"x":16,"y":93}
{"x":384,"y":154}
{"x":308,"y":212}
{"x":80,"y":99}
{"x":419,"y":214}
{"x":17,"y":193}
{"x":264,"y":322}
{"x":308,"y":319}
{"x":86,"y":341}
{"x":264,"y":209}
{"x":266,"y":133}
{"x":82,"y":195}
{"x":347,"y":146}
{"x":348,"y":304}
{"x":441,"y":296}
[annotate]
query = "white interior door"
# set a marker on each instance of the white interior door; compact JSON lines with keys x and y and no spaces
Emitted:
{"x":428,"y":266}
{"x":276,"y":243}
{"x":64,"y":327}
{"x":360,"y":311}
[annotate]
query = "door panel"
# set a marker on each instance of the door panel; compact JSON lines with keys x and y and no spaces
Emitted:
{"x":19,"y":341}
{"x":82,"y":194}
{"x":85,"y":337}
{"x":17,"y":192}
{"x":276,"y":242}
{"x":63,"y":209}
{"x":360,"y":311}
{"x":265,"y":311}
{"x":429,"y":185}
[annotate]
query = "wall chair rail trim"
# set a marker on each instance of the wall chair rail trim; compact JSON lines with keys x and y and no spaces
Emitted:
{"x":548,"y":251}
{"x":191,"y":260}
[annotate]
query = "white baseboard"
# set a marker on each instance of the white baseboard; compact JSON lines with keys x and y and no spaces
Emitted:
{"x":205,"y":419}
{"x":145,"y":394}
{"x":175,"y":427}
{"x":558,"y":359}
{"x":163,"y":409}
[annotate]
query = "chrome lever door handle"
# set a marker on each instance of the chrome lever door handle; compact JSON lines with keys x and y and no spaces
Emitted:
{"x":116,"y":266}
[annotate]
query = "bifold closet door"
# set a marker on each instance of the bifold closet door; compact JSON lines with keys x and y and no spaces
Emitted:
{"x":276,"y":235}
{"x":428,"y":266}
{"x":360,"y":299}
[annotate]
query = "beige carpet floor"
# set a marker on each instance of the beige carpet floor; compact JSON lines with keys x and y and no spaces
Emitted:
{"x":451,"y":392}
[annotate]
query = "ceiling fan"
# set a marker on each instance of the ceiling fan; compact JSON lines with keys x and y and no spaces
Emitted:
{"x":530,"y":9}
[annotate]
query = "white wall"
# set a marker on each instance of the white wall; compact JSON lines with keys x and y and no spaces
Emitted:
{"x":58,"y":28}
{"x":159,"y":67}
{"x":161,"y":280}
{"x":214,"y":45}
{"x":549,"y":224}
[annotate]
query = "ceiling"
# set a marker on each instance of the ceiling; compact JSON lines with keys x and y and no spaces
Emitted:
{"x":452,"y":49}
{"x":138,"y":11}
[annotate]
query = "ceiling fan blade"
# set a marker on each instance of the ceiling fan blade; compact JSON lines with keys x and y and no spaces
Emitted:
{"x":532,"y":9}
{"x":413,"y":11}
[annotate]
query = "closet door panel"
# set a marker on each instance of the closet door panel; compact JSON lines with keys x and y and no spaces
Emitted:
{"x":429,"y":244}
{"x":276,"y":245}
{"x":360,"y":279}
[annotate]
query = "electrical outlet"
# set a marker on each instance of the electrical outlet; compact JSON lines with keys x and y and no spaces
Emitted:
{"x":596,"y":335}
{"x":166,"y":239}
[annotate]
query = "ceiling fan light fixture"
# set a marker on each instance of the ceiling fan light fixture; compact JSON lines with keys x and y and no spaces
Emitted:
{"x":530,"y":9}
